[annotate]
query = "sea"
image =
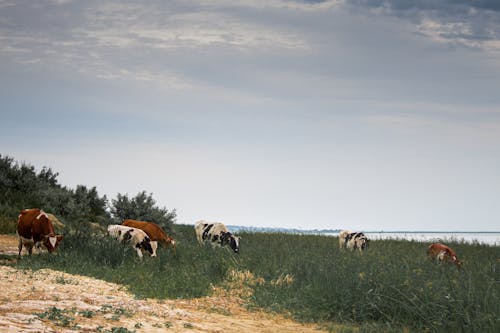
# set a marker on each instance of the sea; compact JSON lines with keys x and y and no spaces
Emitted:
{"x":489,"y":238}
{"x":482,"y":237}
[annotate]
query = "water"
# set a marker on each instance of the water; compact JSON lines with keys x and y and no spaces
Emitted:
{"x":490,"y":238}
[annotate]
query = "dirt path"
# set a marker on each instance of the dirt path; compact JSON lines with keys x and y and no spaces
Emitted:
{"x":52,"y":301}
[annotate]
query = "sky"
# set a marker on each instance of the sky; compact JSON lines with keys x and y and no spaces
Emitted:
{"x":355,"y":114}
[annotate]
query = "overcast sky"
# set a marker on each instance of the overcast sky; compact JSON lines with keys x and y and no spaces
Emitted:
{"x":367,"y":115}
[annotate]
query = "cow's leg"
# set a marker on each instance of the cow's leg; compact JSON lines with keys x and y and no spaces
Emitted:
{"x":154,"y":246}
{"x":359,"y":245}
{"x":198,"y":237}
{"x":39,"y":247}
{"x":139,"y":252}
{"x":20,"y":246}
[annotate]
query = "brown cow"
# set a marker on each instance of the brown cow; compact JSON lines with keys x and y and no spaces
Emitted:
{"x":34,"y":228}
{"x":155,"y":232}
{"x":443,"y":253}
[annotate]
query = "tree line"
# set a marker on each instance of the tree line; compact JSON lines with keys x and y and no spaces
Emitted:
{"x":22,"y":186}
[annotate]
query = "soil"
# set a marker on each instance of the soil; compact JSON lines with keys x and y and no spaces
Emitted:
{"x":54,"y":301}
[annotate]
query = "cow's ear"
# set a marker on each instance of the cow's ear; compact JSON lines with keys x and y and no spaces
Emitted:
{"x":59,"y":237}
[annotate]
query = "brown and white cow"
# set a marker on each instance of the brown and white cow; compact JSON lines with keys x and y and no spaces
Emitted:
{"x":216,"y":234}
{"x":34,"y":228}
{"x":155,"y":233}
{"x":353,"y":240}
{"x":443,"y":253}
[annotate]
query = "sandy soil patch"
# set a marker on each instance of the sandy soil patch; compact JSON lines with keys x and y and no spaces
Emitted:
{"x":52,"y":301}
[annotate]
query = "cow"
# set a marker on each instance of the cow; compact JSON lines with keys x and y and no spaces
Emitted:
{"x":443,"y":253}
{"x":133,"y":236}
{"x":217,"y":234}
{"x":353,"y":240}
{"x":34,"y":228}
{"x":155,"y":233}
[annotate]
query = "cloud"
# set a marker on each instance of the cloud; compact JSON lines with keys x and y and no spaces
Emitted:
{"x":473,"y":24}
{"x":147,"y":43}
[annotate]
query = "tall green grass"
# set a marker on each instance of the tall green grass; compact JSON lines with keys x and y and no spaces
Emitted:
{"x":391,"y":286}
{"x":392,"y":283}
{"x":185,"y":275}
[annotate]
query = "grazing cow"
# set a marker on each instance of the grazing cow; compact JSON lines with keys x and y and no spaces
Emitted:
{"x":443,"y":253}
{"x":133,"y":236}
{"x":353,"y":240}
{"x":155,"y":233}
{"x":217,"y":234}
{"x":34,"y":228}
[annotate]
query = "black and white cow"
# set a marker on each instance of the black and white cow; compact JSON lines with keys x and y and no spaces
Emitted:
{"x":353,"y":240}
{"x":217,"y":234}
{"x":133,"y":236}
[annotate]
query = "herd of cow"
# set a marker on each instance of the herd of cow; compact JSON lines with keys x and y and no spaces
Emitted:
{"x":35,"y":229}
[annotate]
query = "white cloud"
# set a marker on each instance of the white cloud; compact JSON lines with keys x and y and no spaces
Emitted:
{"x":277,"y":4}
{"x":459,"y":33}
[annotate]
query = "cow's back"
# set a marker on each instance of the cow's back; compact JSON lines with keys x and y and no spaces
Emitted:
{"x":218,"y":228}
{"x":154,"y":231}
{"x":436,"y":248}
{"x":28,"y":226}
{"x":209,"y":231}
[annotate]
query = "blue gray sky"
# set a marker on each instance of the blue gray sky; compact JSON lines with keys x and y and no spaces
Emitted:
{"x":368,"y":115}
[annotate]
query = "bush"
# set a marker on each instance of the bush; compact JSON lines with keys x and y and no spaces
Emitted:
{"x":21,"y":187}
{"x":142,"y":207}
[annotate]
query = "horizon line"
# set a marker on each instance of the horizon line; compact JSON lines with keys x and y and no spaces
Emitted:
{"x":368,"y":231}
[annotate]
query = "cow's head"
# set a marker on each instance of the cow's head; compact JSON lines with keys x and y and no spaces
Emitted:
{"x":362,"y":242}
{"x":457,"y":262}
{"x":173,"y":244}
{"x":231,"y":240}
{"x":365,"y":244}
{"x":51,"y":242}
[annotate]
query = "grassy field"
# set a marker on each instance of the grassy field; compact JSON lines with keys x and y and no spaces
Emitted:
{"x":392,"y":287}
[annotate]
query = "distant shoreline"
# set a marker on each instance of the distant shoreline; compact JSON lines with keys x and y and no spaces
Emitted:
{"x":332,"y":231}
{"x":434,"y":232}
